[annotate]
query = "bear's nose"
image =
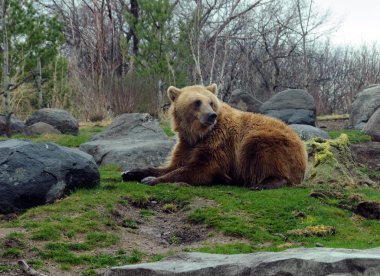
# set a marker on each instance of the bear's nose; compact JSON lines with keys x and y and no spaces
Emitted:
{"x":212,"y":116}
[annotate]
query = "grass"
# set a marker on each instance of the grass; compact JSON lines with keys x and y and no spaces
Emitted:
{"x":373,"y":174}
{"x":73,"y":141}
{"x":81,"y":232}
{"x":259,"y":217}
{"x":333,"y":117}
{"x":354,"y":136}
{"x":165,"y":125}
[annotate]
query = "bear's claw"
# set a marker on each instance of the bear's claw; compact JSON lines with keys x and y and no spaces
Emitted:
{"x":133,"y":175}
{"x":150,"y":180}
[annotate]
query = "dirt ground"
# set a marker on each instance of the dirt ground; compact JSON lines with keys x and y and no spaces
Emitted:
{"x":338,"y":124}
{"x":165,"y":231}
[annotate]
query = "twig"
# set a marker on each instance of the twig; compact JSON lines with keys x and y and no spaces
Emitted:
{"x":29,"y":270}
{"x":15,"y":86}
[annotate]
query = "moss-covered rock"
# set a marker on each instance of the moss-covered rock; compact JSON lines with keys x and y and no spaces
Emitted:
{"x":331,"y":163}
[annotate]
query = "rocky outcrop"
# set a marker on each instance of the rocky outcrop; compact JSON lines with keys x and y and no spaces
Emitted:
{"x":365,"y":104}
{"x":332,"y":164}
{"x":293,"y":106}
{"x":307,"y":132}
{"x":367,"y":154}
{"x":40,"y":128}
{"x":58,"y":118}
{"x":33,"y":174}
{"x":244,"y":101}
{"x":133,"y":140}
{"x":292,"y":262}
{"x":17,"y":126}
{"x":372,"y":127}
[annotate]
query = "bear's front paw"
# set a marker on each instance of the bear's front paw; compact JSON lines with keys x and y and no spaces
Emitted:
{"x":150,"y":180}
{"x":133,"y":175}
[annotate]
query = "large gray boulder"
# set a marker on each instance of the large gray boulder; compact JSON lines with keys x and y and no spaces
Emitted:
{"x":372,"y":127}
{"x":40,"y":128}
{"x":293,"y":106}
{"x":364,"y":105}
{"x":292,"y":262}
{"x":306,"y":132}
{"x":244,"y":101}
{"x":133,"y":140}
{"x":17,"y":126}
{"x":33,"y":174}
{"x":58,"y":118}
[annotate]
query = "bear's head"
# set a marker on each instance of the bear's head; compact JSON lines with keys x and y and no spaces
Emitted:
{"x":194,"y":110}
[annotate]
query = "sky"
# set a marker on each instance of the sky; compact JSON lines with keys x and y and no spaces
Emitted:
{"x":359,"y":20}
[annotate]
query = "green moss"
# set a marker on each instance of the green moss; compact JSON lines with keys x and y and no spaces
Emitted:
{"x":354,"y":136}
{"x":333,"y":165}
{"x":316,"y":230}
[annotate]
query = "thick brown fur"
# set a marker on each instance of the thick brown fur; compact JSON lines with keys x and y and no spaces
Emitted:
{"x":238,"y":148}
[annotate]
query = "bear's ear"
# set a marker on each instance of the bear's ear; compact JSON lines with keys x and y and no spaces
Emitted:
{"x":173,"y":93}
{"x":212,"y":88}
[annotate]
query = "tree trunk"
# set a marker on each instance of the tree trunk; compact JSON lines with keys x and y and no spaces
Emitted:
{"x":39,"y":86}
{"x":7,"y":93}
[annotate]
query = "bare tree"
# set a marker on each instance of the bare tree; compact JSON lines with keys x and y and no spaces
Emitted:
{"x":7,"y":92}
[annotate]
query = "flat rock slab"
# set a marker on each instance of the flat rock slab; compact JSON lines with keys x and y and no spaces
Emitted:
{"x":58,"y":118}
{"x":293,"y":106}
{"x":372,"y":127}
{"x":306,"y":132}
{"x":244,"y":101}
{"x":133,"y":140}
{"x":129,"y":153}
{"x":17,"y":126}
{"x":365,"y":104}
{"x":299,"y":261}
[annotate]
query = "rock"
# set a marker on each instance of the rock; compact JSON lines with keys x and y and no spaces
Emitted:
{"x":368,"y":209}
{"x":244,"y":101}
{"x":58,"y":118}
{"x":40,"y":128}
{"x":17,"y":126}
{"x":332,"y":164}
{"x":372,"y":127}
{"x":365,"y":104}
{"x":367,"y":154}
{"x":133,"y":140}
{"x":293,"y":106}
{"x":294,"y":262}
{"x":33,"y":174}
{"x":307,"y":132}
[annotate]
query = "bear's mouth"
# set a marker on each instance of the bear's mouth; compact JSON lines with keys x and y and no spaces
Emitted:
{"x":208,"y":123}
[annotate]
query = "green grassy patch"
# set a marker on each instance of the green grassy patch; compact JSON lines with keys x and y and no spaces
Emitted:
{"x":81,"y":230}
{"x":4,"y":268}
{"x":74,"y":141}
{"x":165,"y":125}
{"x":373,"y":174}
{"x":354,"y":136}
{"x":333,"y":117}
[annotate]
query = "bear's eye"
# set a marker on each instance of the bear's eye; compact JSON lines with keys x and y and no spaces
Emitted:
{"x":197,"y":103}
{"x":212,"y":104}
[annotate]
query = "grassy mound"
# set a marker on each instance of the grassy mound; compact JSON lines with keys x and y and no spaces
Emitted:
{"x":332,"y":164}
{"x":121,"y":223}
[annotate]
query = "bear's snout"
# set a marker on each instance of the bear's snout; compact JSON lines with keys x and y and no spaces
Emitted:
{"x":209,"y":119}
{"x":212,"y":116}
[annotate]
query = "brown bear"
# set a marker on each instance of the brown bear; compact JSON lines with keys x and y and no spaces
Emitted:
{"x":218,"y":144}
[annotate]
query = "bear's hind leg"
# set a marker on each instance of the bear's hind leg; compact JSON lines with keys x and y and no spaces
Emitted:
{"x":271,"y":182}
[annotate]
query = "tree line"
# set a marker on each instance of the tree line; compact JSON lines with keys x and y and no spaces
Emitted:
{"x":99,"y":57}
